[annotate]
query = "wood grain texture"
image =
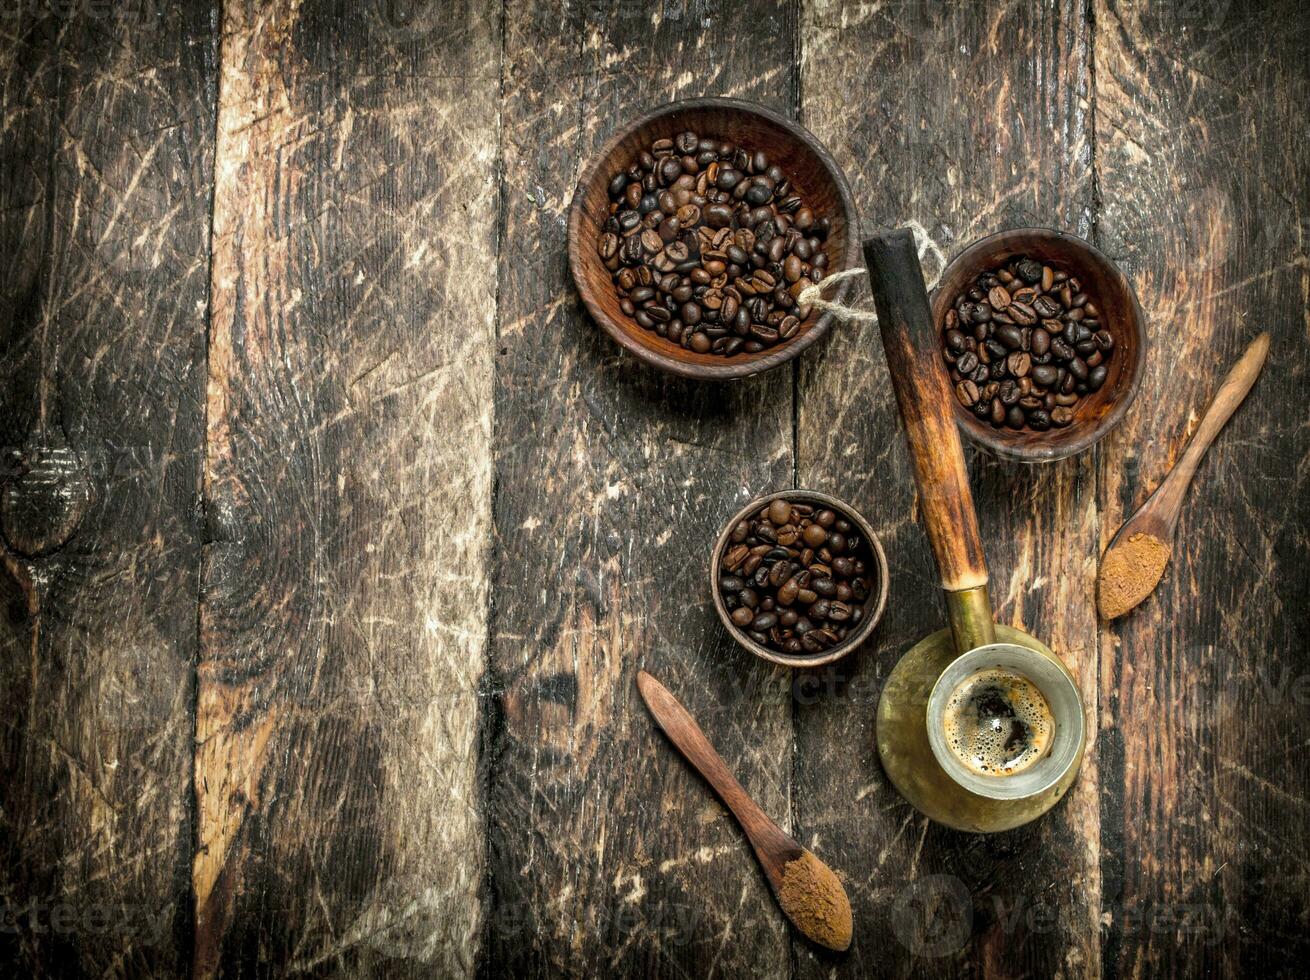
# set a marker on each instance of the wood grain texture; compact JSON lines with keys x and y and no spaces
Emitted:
{"x":347,"y":491}
{"x":607,"y":854}
{"x":106,"y":156}
{"x":326,"y":568}
{"x":965,"y":118}
{"x":1203,"y":181}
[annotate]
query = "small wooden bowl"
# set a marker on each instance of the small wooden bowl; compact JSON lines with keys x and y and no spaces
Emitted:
{"x":813,"y":173}
{"x":1121,"y":314}
{"x":873,"y":605}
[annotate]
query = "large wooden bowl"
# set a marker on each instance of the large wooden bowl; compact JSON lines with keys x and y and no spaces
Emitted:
{"x":1121,"y":314}
{"x":813,"y":173}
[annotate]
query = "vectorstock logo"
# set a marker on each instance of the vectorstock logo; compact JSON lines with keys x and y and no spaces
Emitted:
{"x":150,"y":927}
{"x":1274,"y":684}
{"x":1284,"y":687}
{"x":676,"y":925}
{"x":934,"y":916}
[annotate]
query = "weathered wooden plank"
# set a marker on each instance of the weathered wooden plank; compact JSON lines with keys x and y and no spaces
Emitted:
{"x":106,"y":156}
{"x":607,"y":854}
{"x":967,"y":119}
{"x":1203,"y":167}
{"x":347,"y":491}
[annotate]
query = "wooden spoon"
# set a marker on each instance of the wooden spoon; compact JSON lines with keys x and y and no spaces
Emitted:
{"x":1133,"y":563}
{"x":806,"y":888}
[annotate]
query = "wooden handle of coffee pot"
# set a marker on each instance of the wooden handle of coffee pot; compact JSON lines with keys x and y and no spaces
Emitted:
{"x":924,"y":396}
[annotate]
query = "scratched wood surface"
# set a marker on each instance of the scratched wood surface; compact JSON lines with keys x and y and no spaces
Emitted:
{"x":334,"y":533}
{"x":347,"y":491}
{"x":606,"y":853}
{"x":1204,"y":693}
{"x":106,"y":166}
{"x":992,"y":132}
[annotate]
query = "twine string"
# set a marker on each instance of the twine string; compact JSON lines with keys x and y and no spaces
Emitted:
{"x":812,"y":295}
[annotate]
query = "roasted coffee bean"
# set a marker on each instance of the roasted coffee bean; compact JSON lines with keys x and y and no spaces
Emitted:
{"x":1045,"y":375}
{"x":825,"y":587}
{"x":778,"y":594}
{"x":1040,"y":342}
{"x":1046,"y":307}
{"x":814,"y":535}
{"x":1029,"y":271}
{"x":1031,"y":323}
{"x":1009,"y":335}
{"x":1022,"y":313}
{"x":839,"y":612}
{"x":694,"y":212}
{"x":651,"y":242}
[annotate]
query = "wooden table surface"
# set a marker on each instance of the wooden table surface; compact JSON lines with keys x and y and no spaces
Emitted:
{"x":335,"y":533}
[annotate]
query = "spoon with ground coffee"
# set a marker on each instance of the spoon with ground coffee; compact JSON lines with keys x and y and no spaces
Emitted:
{"x":806,"y":888}
{"x":1133,"y":563}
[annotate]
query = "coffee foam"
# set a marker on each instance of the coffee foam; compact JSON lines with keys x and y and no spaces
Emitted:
{"x":997,"y":722}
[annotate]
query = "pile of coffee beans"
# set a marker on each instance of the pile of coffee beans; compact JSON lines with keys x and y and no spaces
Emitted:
{"x":1024,"y":344}
{"x":795,"y":577}
{"x":710,"y":245}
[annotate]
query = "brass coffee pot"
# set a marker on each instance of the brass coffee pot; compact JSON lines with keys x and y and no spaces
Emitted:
{"x":915,"y":768}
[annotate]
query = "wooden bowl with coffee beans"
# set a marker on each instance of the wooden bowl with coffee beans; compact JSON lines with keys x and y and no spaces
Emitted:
{"x":799,"y":578}
{"x":1044,"y":341}
{"x":697,"y":227}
